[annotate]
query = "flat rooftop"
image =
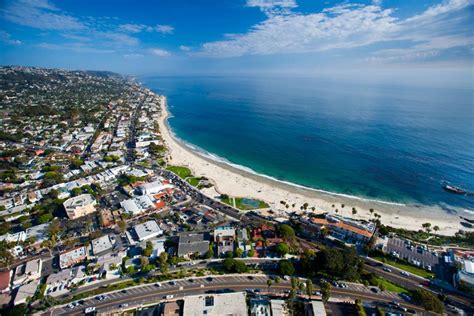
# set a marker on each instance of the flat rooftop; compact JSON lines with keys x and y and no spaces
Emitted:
{"x":230,"y":304}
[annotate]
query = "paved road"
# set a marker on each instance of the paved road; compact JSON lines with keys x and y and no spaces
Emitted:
{"x":149,"y":294}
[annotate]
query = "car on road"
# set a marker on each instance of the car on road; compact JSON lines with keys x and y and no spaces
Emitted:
{"x":157,"y":284}
{"x":70,"y":306}
{"x":123,"y":305}
{"x":209,"y":279}
{"x":172,"y":283}
{"x":89,"y":309}
{"x":387,"y":269}
{"x":405,"y":273}
{"x":169,"y":296}
{"x":250,"y":277}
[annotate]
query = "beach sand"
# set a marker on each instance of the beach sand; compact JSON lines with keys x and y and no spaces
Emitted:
{"x":237,"y":182}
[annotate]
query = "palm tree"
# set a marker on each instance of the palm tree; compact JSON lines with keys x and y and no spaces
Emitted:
{"x":371,"y":212}
{"x":354,"y":211}
{"x":269,"y":284}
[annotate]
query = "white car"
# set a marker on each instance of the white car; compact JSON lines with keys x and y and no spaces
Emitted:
{"x":89,"y":309}
{"x":70,"y":306}
{"x":169,"y":296}
{"x":405,"y":273}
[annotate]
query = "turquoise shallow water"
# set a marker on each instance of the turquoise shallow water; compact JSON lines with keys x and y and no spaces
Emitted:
{"x":395,"y":143}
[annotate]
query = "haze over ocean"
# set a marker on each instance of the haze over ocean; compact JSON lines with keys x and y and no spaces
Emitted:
{"x":396,"y":143}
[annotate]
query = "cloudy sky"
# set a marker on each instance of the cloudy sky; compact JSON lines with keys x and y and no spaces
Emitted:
{"x":228,"y":37}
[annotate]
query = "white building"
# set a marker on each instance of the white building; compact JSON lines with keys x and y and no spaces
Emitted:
{"x":27,"y":272}
{"x":72,"y":257}
{"x":154,"y":187}
{"x":58,"y":283}
{"x":25,"y":291}
{"x":101,"y":245}
{"x":79,"y":206}
{"x":147,"y":230}
{"x":137,"y":205}
{"x":215,"y":304}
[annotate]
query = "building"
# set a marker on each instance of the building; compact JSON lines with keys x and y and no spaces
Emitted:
{"x":171,"y":309}
{"x":154,"y":187}
{"x":147,"y":230}
{"x":5,"y":281}
{"x":137,"y":205}
{"x":224,"y":238}
{"x":72,"y":257}
{"x":465,"y":275}
{"x":343,"y":228}
{"x":27,"y":272}
{"x":110,"y":264}
{"x":193,"y":243}
{"x":315,"y":308}
{"x":101,"y":245}
{"x":279,"y":308}
{"x":79,"y":206}
{"x":58,"y":283}
{"x":25,"y":291}
{"x":229,"y":304}
{"x":260,"y":307}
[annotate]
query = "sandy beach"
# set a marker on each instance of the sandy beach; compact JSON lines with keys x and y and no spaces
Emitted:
{"x":237,"y":182}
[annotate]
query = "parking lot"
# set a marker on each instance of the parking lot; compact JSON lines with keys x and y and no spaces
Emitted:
{"x":414,"y":254}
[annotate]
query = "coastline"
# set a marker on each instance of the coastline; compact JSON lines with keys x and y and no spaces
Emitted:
{"x":239,"y":182}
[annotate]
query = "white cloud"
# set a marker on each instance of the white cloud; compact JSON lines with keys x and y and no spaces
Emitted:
{"x":345,"y":26}
{"x":133,"y":56}
{"x":160,"y":52}
{"x":75,"y":47}
{"x":164,"y":29}
{"x":39,"y":14}
{"x":273,"y":7}
{"x":7,"y":38}
{"x":185,"y":48}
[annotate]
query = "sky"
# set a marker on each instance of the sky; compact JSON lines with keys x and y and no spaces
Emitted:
{"x":288,"y":37}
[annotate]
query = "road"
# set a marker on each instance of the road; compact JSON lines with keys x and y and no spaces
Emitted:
{"x":151,"y":293}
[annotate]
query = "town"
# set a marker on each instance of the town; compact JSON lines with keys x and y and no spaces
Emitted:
{"x":96,"y":219}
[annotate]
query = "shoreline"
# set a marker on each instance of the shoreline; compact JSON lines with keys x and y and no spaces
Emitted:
{"x":239,"y":182}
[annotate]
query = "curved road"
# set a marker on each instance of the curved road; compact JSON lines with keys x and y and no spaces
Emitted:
{"x":151,"y":293}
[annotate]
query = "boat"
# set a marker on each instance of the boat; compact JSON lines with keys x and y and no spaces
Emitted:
{"x":453,"y":189}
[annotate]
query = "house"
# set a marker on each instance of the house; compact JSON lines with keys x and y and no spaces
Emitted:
{"x":79,"y":206}
{"x":58,"y":283}
{"x":137,"y":205}
{"x":5,"y":281}
{"x":279,"y":308}
{"x":215,"y":304}
{"x":39,"y":233}
{"x":27,"y":272}
{"x":110,"y":264}
{"x":25,"y":291}
{"x":343,"y":228}
{"x":147,"y":230}
{"x":193,"y":243}
{"x":224,"y":238}
{"x":72,"y":257}
{"x":171,"y":309}
{"x":101,"y":245}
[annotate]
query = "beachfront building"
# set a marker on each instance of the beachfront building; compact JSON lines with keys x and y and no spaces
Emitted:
{"x":465,"y":275}
{"x":79,"y":206}
{"x":154,"y":187}
{"x":342,"y":228}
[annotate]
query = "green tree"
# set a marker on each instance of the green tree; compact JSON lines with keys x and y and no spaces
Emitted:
{"x":148,"y":249}
{"x":286,"y":231}
{"x":269,"y":284}
{"x":429,"y":301}
{"x":325,"y":291}
{"x":309,"y":288}
{"x":285,"y":267}
{"x":251,"y":253}
{"x":282,"y":249}
{"x":238,"y":253}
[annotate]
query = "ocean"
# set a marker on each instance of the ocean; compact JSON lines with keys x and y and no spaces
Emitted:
{"x":394,"y":143}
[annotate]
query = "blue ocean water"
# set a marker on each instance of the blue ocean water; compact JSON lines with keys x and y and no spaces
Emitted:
{"x":396,"y":143}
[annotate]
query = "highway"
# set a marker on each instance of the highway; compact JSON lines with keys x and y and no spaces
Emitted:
{"x":151,"y":293}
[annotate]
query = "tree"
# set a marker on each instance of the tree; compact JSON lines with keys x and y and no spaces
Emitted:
{"x":324,"y":232}
{"x":229,"y":264}
{"x":429,"y":301}
{"x":148,"y":249}
{"x":371,"y":212}
{"x":210,"y":252}
{"x":163,"y":258}
{"x":144,"y":261}
{"x":285,"y":267}
{"x":269,"y":284}
{"x":238,"y":253}
{"x":325,"y":291}
{"x":251,"y":253}
{"x":309,"y":288}
{"x":6,"y":257}
{"x":436,"y":228}
{"x":354,"y":211}
{"x":122,"y":225}
{"x":286,"y":231}
{"x":282,"y":249}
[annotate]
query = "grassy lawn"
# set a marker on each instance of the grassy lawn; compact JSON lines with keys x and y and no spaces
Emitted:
{"x":242,"y":203}
{"x":405,"y":266}
{"x":389,"y":286}
{"x":182,"y":172}
{"x":193,"y":181}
